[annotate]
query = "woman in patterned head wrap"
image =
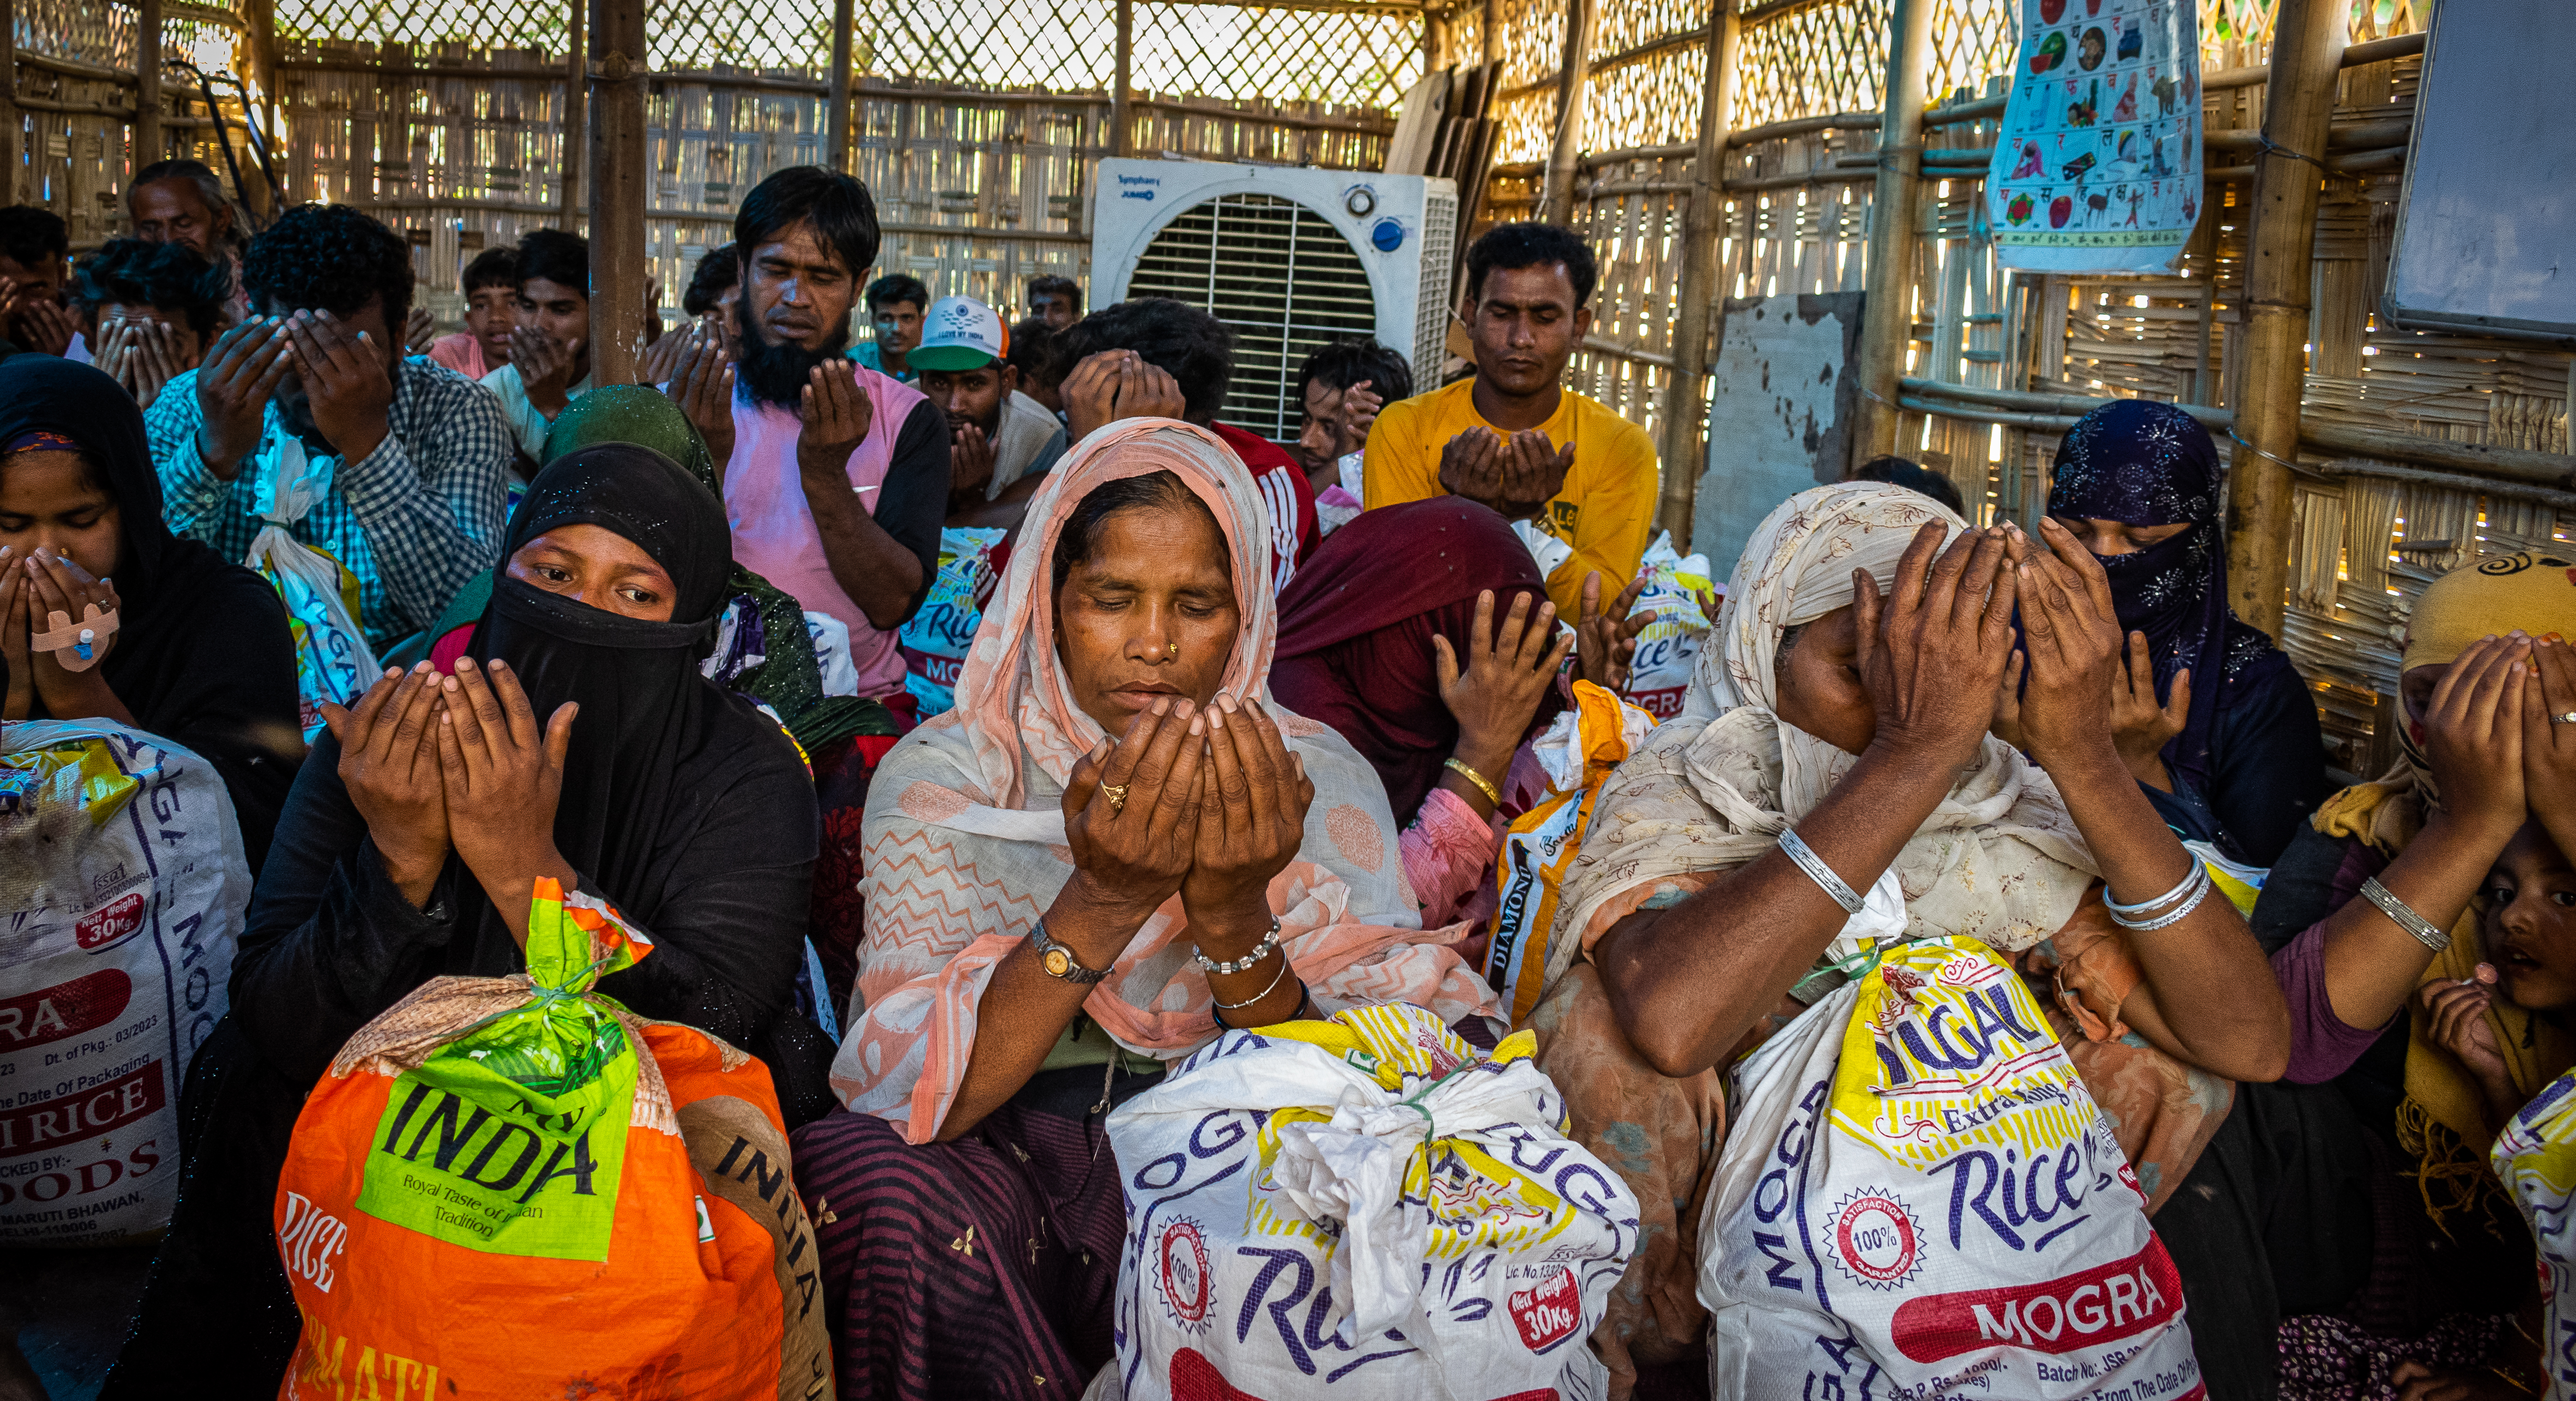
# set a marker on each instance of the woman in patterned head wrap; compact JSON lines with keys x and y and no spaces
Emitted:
{"x":2373,"y":915}
{"x":2226,"y":737}
{"x":1837,"y":710}
{"x":1044,"y":899}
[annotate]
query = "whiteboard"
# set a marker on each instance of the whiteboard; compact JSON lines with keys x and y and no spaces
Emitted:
{"x":2486,"y":228}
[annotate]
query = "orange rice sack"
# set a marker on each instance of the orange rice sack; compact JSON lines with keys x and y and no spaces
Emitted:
{"x":514,"y":1187}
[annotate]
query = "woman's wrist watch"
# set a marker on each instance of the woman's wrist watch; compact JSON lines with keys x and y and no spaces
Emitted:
{"x":1057,"y":961}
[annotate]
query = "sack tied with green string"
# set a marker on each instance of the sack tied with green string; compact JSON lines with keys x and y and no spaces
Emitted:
{"x":514,"y":1186}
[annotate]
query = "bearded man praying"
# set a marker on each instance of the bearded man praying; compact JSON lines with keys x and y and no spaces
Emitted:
{"x":835,"y":475}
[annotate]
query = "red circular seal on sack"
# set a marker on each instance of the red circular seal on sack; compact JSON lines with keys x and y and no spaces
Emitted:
{"x":1183,"y":1276}
{"x":1875,"y":1240}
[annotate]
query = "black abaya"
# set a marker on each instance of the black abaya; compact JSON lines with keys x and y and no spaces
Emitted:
{"x":682,"y":805}
{"x":203,"y":655}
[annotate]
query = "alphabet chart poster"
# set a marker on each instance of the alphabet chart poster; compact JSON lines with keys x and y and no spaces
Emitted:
{"x":2097,"y":168}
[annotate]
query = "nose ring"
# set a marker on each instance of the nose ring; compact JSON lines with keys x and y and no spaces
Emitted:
{"x":1173,"y":647}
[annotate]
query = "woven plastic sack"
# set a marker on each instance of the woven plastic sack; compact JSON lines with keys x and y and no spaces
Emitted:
{"x":1918,"y":1197}
{"x":1667,"y":651}
{"x":332,"y":660}
{"x":514,"y":1187}
{"x":1527,"y":952}
{"x":1362,"y":1207}
{"x":122,"y":885}
{"x":934,"y":642}
{"x":2535,"y":1158}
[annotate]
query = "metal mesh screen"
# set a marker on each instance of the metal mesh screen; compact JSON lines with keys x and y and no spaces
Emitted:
{"x":1275,"y":271}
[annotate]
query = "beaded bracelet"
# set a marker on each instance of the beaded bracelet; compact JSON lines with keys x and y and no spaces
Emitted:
{"x":1244,"y":964}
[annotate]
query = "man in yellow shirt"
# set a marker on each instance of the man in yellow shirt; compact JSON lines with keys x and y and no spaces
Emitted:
{"x":1512,"y":437}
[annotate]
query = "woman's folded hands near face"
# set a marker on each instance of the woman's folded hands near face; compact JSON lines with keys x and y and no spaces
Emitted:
{"x":1206,"y":801}
{"x":459,"y":762}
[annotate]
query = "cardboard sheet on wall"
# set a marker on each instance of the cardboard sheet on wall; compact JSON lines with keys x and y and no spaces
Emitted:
{"x":1781,"y":398}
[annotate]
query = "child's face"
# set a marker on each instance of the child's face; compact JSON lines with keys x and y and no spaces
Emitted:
{"x":2529,"y":928}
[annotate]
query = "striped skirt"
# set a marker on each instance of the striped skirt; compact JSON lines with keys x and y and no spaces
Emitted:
{"x":982,"y":1267}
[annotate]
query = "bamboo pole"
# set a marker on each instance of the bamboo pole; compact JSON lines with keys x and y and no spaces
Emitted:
{"x":1582,"y":17}
{"x":2298,"y":108}
{"x":1887,"y":320}
{"x":9,"y":153}
{"x":1122,"y":91}
{"x":147,"y":86}
{"x":574,"y":199}
{"x":1435,"y":40}
{"x":617,"y":192}
{"x":836,"y":115}
{"x":1493,"y":39}
{"x":1686,"y":391}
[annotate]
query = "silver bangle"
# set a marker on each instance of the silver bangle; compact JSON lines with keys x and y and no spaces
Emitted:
{"x":1265,"y":992}
{"x":2181,"y":888}
{"x":1244,"y":964}
{"x":2202,"y":885}
{"x":1817,"y":871}
{"x":2403,"y":916}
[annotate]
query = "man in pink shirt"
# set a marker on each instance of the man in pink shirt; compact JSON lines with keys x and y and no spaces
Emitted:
{"x":835,"y":476}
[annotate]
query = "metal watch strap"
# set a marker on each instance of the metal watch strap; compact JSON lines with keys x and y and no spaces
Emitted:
{"x":1057,"y":961}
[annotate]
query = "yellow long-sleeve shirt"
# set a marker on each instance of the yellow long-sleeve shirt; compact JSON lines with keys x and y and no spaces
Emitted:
{"x":1606,"y":510}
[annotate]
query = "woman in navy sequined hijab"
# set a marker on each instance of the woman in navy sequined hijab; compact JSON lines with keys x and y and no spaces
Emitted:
{"x":2139,"y":481}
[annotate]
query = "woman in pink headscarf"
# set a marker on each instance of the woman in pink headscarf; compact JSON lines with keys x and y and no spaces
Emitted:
{"x":1114,"y":848}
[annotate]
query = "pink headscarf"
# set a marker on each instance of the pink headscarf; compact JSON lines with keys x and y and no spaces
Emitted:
{"x":965,"y":843}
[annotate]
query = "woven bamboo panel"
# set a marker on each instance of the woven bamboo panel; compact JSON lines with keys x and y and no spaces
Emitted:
{"x":1823,"y":58}
{"x":1624,"y":25}
{"x":1276,"y":56}
{"x":91,"y":31}
{"x":992,"y":43}
{"x":76,"y":163}
{"x":1654,"y":101}
{"x":1630,"y":212}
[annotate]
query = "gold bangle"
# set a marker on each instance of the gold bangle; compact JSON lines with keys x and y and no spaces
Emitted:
{"x":1486,"y":785}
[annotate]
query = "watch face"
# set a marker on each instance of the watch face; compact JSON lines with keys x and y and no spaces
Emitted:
{"x":1058,"y":963}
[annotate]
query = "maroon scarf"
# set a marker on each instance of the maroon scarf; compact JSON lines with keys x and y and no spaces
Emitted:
{"x":1356,"y":623}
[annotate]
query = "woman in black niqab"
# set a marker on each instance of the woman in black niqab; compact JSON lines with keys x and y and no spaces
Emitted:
{"x":681,"y":804}
{"x":202,"y":655}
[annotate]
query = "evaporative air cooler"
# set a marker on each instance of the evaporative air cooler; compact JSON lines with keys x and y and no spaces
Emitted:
{"x":1291,"y":258}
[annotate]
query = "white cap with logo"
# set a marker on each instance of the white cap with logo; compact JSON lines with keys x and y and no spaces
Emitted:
{"x":959,"y":333}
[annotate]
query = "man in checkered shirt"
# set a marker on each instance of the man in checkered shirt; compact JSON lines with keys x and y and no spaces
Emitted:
{"x":422,"y":454}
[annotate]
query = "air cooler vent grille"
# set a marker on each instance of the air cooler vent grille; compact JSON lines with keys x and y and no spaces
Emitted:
{"x":1282,"y":277}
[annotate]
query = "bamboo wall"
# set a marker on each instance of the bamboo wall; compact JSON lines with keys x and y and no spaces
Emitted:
{"x":1795,"y":218}
{"x":975,"y":123}
{"x":73,"y":97}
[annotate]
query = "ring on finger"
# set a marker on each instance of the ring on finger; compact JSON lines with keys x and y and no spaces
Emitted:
{"x":2564,"y":717}
{"x":1116,"y":793}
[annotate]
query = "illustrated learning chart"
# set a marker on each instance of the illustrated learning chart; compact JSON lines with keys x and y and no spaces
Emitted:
{"x":2097,"y":168}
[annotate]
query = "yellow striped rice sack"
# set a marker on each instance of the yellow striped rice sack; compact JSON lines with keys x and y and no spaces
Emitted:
{"x":1919,"y":1198}
{"x":2535,"y":1157}
{"x":1361,"y":1207}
